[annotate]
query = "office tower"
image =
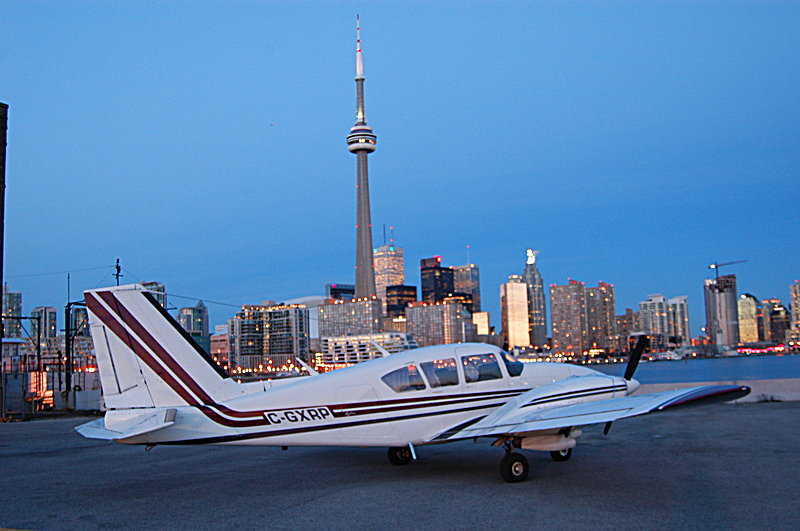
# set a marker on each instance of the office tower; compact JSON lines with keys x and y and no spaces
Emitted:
{"x":679,"y":331}
{"x":481,"y":322}
{"x":12,"y":307}
{"x":343,"y":292}
{"x":722,"y":314}
{"x":568,"y":318}
{"x":776,"y":320}
{"x":355,"y":349}
{"x":346,"y":318}
{"x":158,"y":291}
{"x":627,"y":325}
{"x":389,"y":270}
{"x":654,"y":315}
{"x":195,"y":321}
{"x":537,"y":305}
{"x":514,"y":311}
{"x":467,"y":280}
{"x":437,"y":282}
{"x":601,"y":316}
{"x":398,"y":298}
{"x":439,"y":323}
{"x":747,"y":308}
{"x":47,"y":316}
{"x":264,"y":338}
{"x":794,"y":304}
{"x":361,"y":141}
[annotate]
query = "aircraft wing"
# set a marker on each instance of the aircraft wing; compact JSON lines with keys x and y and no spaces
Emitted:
{"x":513,"y":420}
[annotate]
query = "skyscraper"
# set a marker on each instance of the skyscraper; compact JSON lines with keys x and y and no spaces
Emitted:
{"x":398,"y":299}
{"x":654,"y":315}
{"x":467,"y":280}
{"x":345,"y":318}
{"x":537,"y":305}
{"x":794,"y":305}
{"x":268,"y":336}
{"x":568,"y":317}
{"x":601,"y":316}
{"x":439,"y":323}
{"x":722,"y":313}
{"x":678,"y":308}
{"x":514,"y":310}
{"x":437,"y":281}
{"x":158,"y":291}
{"x":48,"y":316}
{"x":747,"y":307}
{"x":389,"y":270}
{"x":361,"y":141}
{"x":12,"y":307}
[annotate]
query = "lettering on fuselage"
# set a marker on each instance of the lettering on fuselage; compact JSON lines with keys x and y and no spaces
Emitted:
{"x":306,"y":414}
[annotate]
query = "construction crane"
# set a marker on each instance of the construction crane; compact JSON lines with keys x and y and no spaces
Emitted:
{"x":716,"y":265}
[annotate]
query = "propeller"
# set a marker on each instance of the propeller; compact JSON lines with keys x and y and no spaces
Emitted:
{"x":633,"y":363}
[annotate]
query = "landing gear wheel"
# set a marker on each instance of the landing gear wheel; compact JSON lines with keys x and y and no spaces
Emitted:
{"x":561,"y":455}
{"x":399,"y":455}
{"x":514,"y":467}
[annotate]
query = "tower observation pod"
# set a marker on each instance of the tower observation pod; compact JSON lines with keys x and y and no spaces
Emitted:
{"x":361,"y":141}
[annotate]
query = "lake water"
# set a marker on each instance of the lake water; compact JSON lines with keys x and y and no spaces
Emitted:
{"x":712,"y":369}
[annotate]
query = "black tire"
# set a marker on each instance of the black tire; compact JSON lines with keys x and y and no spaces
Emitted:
{"x":399,"y":455}
{"x":561,"y":455}
{"x":514,"y":467}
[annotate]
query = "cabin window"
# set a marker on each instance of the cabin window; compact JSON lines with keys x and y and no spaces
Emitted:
{"x":404,"y":379}
{"x":441,"y":373}
{"x":513,"y":365}
{"x":481,"y":367}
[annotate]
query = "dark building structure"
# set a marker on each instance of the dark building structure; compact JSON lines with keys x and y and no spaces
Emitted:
{"x":343,"y":292}
{"x":398,"y":298}
{"x":437,"y":282}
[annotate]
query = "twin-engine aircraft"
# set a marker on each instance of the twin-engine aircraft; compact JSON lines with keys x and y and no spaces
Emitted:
{"x":160,"y":387}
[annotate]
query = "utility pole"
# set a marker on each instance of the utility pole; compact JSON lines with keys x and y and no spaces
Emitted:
{"x":3,"y":138}
{"x":117,"y":271}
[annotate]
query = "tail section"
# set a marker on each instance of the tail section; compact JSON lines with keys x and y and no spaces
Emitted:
{"x":145,"y":358}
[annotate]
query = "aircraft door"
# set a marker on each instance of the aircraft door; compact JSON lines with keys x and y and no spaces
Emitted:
{"x":361,"y":401}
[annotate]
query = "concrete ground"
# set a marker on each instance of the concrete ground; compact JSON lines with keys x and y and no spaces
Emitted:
{"x":722,"y":467}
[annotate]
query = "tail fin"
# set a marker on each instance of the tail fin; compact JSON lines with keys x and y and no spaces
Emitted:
{"x":144,"y":357}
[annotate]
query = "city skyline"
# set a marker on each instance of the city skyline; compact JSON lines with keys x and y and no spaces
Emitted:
{"x":104,"y":157}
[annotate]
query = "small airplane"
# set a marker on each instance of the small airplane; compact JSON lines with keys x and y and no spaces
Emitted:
{"x":160,"y":387}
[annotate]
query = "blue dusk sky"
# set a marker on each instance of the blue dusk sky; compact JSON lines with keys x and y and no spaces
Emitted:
{"x":203,"y":144}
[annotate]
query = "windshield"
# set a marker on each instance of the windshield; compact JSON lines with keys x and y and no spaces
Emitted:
{"x":513,"y":365}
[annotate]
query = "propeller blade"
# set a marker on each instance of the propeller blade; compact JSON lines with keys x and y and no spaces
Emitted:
{"x":635,"y":356}
{"x":607,"y":427}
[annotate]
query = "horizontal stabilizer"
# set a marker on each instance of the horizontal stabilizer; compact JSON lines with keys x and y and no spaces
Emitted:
{"x":156,"y":420}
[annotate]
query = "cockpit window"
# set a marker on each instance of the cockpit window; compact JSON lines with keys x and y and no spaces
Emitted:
{"x":440,"y":373}
{"x":513,"y":365}
{"x":404,"y":379}
{"x":481,"y":367}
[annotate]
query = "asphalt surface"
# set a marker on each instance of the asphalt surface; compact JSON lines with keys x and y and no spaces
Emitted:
{"x":722,"y":467}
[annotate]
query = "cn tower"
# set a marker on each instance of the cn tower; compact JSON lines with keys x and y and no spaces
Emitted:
{"x":361,"y":141}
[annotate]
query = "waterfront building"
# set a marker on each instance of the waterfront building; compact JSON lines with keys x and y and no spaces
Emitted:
{"x":398,"y":298}
{"x":353,"y":317}
{"x":467,"y":281}
{"x":747,"y":308}
{"x":481,"y":322}
{"x":389,"y":271}
{"x":47,"y":315}
{"x":627,"y":325}
{"x":794,"y":304}
{"x":568,"y":318}
{"x":679,"y":331}
{"x":514,"y":312}
{"x":339,"y":291}
{"x":220,"y":349}
{"x":779,"y":321}
{"x":361,"y":141}
{"x":437,"y":282}
{"x":357,"y":348}
{"x":654,"y":315}
{"x":722,"y":314}
{"x":666,"y":321}
{"x":158,"y":291}
{"x":12,"y":307}
{"x":265,"y":337}
{"x":195,"y":321}
{"x":439,"y":323}
{"x":601,"y":316}
{"x":537,"y":305}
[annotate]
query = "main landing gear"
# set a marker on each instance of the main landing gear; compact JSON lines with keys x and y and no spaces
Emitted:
{"x":514,"y":467}
{"x":561,"y":455}
{"x":400,"y":455}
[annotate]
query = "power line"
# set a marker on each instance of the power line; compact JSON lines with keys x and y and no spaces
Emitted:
{"x":60,"y":272}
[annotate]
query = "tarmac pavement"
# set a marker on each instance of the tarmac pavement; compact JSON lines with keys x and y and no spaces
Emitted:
{"x":721,"y":467}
